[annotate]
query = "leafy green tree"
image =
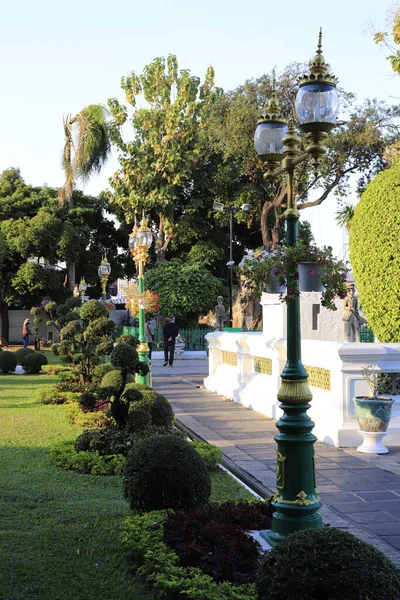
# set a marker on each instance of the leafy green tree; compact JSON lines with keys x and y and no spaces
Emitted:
{"x":185,"y":289}
{"x":355,"y":147}
{"x":86,"y":149}
{"x":157,"y":163}
{"x":37,"y":235}
{"x":85,"y":339}
{"x":374,"y":255}
{"x":391,"y":41}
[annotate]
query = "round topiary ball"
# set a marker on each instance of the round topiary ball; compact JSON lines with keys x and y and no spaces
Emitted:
{"x":124,"y":356}
{"x":160,"y":409}
{"x":8,"y":362}
{"x":101,"y":370}
{"x":164,"y":471}
{"x":21,"y":353}
{"x":327,"y":564}
{"x":93,"y":309}
{"x":113,"y":379}
{"x":374,"y":253}
{"x":33,"y":363}
{"x":139,"y":420}
{"x":128,"y":339}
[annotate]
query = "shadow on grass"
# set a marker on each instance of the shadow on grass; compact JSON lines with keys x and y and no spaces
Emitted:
{"x":57,"y":524}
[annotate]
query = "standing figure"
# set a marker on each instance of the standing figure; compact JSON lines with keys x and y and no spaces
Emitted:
{"x":26,"y":332}
{"x":351,"y":315}
{"x":149,"y":335}
{"x":170,"y":332}
{"x":220,"y":314}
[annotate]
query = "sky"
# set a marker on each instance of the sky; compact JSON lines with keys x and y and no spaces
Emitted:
{"x":59,"y":57}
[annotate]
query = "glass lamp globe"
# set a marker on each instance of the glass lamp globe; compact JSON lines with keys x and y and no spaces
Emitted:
{"x":144,"y":237}
{"x":83,"y":286}
{"x":317,"y":102}
{"x":104,"y":269}
{"x":268,"y":137}
{"x":132,"y":241}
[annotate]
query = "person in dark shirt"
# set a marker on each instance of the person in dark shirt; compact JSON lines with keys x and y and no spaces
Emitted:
{"x":170,"y":331}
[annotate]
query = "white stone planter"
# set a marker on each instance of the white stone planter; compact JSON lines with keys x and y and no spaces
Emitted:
{"x":372,"y":442}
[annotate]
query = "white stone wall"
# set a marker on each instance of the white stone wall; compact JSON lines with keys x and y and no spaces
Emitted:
{"x":317,"y":323}
{"x":332,"y":410}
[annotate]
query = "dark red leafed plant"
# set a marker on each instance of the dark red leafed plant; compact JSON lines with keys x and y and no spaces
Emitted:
{"x":214,"y":539}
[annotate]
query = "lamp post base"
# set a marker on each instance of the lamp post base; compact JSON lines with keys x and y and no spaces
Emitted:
{"x":284,"y":525}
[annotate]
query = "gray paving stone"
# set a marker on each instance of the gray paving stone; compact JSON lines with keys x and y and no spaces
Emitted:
{"x":394,"y":540}
{"x":373,"y":517}
{"x":353,"y":507}
{"x":339,"y":498}
{"x":383,"y":529}
{"x":377,"y":496}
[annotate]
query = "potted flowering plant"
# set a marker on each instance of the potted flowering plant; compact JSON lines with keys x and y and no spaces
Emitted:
{"x":317,"y":270}
{"x":373,"y":412}
{"x":256,"y":271}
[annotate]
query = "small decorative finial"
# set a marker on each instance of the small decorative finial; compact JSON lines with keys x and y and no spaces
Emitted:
{"x":273,"y":110}
{"x":319,"y":49}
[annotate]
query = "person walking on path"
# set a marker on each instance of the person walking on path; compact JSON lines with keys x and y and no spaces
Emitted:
{"x":26,"y":332}
{"x":170,"y":332}
{"x":149,"y":334}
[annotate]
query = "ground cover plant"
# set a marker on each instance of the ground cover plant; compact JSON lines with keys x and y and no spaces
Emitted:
{"x":61,"y":531}
{"x":60,"y":534}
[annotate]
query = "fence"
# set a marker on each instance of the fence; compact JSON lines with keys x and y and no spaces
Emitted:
{"x":194,"y":339}
{"x":366,"y":334}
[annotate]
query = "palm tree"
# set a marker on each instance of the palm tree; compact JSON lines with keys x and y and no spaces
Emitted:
{"x":344,"y":216}
{"x":86,"y":149}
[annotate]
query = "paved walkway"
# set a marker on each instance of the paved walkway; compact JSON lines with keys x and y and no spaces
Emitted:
{"x":361,"y":493}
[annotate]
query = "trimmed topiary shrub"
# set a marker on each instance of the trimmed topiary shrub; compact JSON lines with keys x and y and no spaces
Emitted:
{"x":330,"y":564}
{"x":374,"y":253}
{"x":139,"y":419}
{"x":128,"y":339}
{"x":33,"y":363}
{"x":21,"y":353}
{"x":160,"y":409}
{"x":164,"y":471}
{"x":107,"y":441}
{"x":114,"y":379}
{"x":101,"y":370}
{"x":88,"y":400}
{"x":8,"y":362}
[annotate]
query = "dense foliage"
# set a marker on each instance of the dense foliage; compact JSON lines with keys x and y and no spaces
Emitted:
{"x":164,"y":471}
{"x":159,"y":566}
{"x":185,"y":289}
{"x":8,"y":362}
{"x":214,"y":539}
{"x":85,"y":338}
{"x":330,"y":564}
{"x":376,"y":227}
{"x":33,"y":362}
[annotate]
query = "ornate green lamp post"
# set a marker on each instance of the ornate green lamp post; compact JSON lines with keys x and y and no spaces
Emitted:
{"x":140,"y":241}
{"x":104,"y":273}
{"x":296,"y":500}
{"x":82,"y":289}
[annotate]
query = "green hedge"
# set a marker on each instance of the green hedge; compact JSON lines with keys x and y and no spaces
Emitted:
{"x":68,"y":458}
{"x":158,"y":566}
{"x":374,"y":253}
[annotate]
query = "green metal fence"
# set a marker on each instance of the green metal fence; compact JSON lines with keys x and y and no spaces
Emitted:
{"x":194,"y":339}
{"x":366,"y":334}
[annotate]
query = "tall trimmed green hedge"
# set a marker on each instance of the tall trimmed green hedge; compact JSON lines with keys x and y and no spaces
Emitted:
{"x":375,"y":253}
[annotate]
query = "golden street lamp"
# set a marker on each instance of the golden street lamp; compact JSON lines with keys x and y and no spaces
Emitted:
{"x":104,"y":273}
{"x":82,"y":289}
{"x":140,"y":241}
{"x":296,"y":500}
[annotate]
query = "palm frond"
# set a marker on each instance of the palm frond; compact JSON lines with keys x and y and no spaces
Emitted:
{"x":344,"y":216}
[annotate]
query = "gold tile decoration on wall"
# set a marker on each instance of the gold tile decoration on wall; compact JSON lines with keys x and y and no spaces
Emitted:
{"x":319,"y":377}
{"x":262,"y":365}
{"x":229,"y":358}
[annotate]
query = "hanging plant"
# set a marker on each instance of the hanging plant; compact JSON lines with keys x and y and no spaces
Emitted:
{"x":259,"y":266}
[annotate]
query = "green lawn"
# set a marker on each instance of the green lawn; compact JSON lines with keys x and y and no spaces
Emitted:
{"x":60,"y":531}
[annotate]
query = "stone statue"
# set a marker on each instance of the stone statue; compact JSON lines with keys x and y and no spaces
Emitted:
{"x":351,"y":316}
{"x":220,"y":314}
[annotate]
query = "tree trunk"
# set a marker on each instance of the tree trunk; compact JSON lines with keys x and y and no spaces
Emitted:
{"x":71,"y":276}
{"x":5,"y":322}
